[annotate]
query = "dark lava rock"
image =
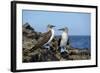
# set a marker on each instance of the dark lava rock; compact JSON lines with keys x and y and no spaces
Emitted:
{"x":42,"y":54}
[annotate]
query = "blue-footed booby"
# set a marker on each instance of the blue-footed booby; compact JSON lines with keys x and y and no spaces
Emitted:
{"x":63,"y":40}
{"x":45,"y":38}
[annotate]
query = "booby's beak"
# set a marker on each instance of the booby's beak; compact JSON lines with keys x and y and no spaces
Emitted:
{"x":62,"y":29}
{"x":53,"y":26}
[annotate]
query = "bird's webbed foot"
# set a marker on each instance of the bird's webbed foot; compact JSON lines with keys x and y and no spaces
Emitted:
{"x":63,"y":49}
{"x":47,"y":46}
{"x":64,"y":53}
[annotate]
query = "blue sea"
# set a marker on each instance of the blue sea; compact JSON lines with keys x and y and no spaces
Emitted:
{"x":80,"y":42}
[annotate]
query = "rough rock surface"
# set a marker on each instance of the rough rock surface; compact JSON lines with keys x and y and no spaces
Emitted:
{"x":42,"y":54}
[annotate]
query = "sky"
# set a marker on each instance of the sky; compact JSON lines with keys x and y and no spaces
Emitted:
{"x":77,"y":23}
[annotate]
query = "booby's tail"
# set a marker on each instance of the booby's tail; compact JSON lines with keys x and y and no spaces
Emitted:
{"x":59,"y":41}
{"x":59,"y":48}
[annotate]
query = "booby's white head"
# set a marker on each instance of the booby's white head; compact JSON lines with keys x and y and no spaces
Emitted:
{"x":50,"y":27}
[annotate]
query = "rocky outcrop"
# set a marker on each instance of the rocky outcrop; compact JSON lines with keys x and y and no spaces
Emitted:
{"x":42,"y":54}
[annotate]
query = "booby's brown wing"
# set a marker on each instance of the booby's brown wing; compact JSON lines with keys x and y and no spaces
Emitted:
{"x":42,"y":40}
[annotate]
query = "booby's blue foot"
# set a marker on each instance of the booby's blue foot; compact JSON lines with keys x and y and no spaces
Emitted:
{"x":47,"y":47}
{"x":64,"y":53}
{"x":62,"y":50}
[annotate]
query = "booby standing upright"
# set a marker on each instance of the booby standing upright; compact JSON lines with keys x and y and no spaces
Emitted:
{"x":64,"y":40}
{"x":46,"y":38}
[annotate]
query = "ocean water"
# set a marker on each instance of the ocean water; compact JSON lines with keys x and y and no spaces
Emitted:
{"x":81,"y":42}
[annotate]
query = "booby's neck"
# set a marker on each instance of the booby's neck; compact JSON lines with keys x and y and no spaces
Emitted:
{"x":49,"y":29}
{"x":52,"y":35}
{"x":64,"y":35}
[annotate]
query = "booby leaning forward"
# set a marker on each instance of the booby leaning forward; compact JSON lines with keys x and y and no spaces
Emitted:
{"x":46,"y":38}
{"x":64,"y":40}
